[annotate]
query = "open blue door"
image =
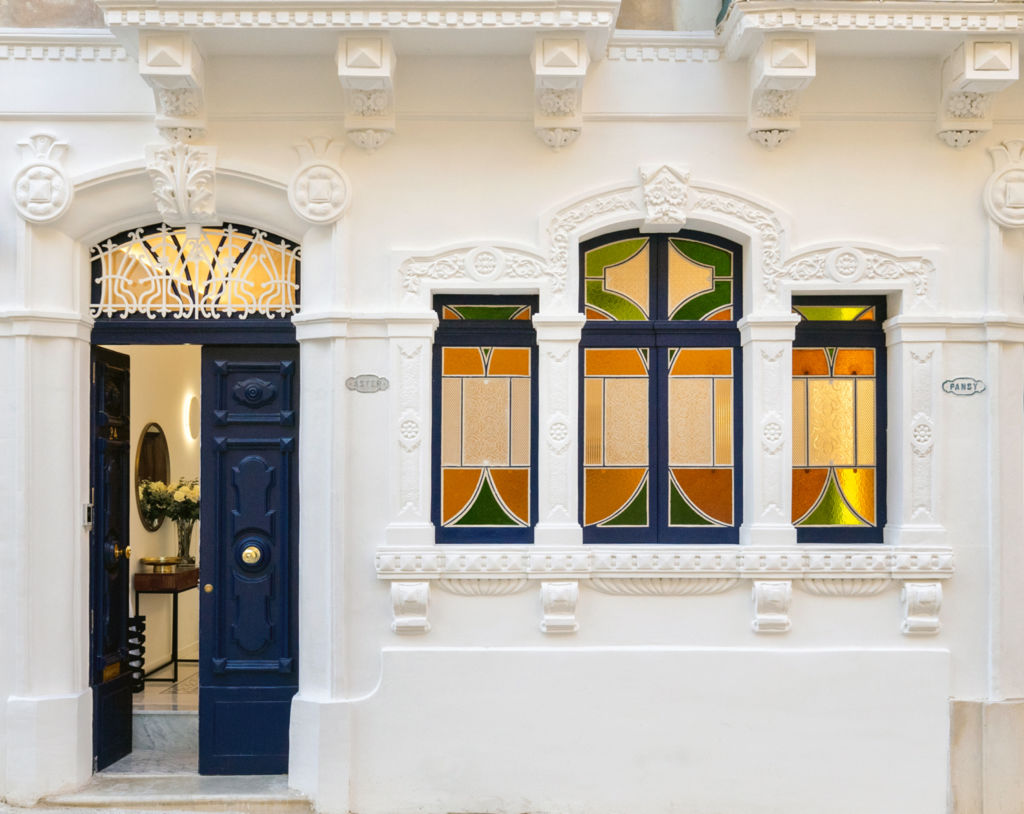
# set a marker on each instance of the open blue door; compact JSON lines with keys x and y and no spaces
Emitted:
{"x":248,"y":638}
{"x":110,"y":468}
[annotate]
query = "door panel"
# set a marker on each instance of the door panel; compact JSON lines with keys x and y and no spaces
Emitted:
{"x":248,"y":554}
{"x":109,"y":675}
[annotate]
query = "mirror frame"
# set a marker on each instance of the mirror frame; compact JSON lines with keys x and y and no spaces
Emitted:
{"x":161,"y":439}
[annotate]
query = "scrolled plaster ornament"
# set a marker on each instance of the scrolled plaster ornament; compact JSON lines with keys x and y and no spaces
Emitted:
{"x":848,"y":264}
{"x":42,"y":190}
{"x":1004,"y":190}
{"x":770,"y":138}
{"x":968,"y":105}
{"x":183,"y":178}
{"x":318,"y":190}
{"x":558,"y":137}
{"x":483,"y":264}
{"x":559,"y":604}
{"x":921,"y":604}
{"x":557,"y":102}
{"x":771,"y":605}
{"x":179,"y":103}
{"x":666,"y":191}
{"x":410,"y":602}
{"x":369,"y":138}
{"x":958,"y":139}
{"x":776,"y":104}
{"x":370,"y":102}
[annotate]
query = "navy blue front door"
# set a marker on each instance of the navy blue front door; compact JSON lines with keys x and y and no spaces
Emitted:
{"x":109,"y":676}
{"x":248,"y":669}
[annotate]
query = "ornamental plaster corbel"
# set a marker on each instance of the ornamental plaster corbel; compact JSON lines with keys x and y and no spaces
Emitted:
{"x":173,"y":67}
{"x":559,"y":70}
{"x":366,"y":69}
{"x":771,"y":605}
{"x":42,"y":189}
{"x":783,"y":66}
{"x":410,"y":602}
{"x":559,"y":605}
{"x":319,"y":191}
{"x":921,"y":604}
{"x":972,"y":74}
{"x":183,"y":178}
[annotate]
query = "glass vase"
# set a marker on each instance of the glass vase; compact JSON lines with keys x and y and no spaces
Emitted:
{"x":185,"y":541}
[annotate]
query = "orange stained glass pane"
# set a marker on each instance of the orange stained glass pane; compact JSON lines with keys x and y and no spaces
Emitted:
{"x":448,"y":313}
{"x":485,"y":423}
{"x":457,"y":488}
{"x":509,"y":362}
{"x":858,"y":487}
{"x":721,"y":316}
{"x":630,"y":279}
{"x":689,"y":422}
{"x":605,"y":491}
{"x":462,"y":362}
{"x":685,"y":278}
{"x":519,"y":423}
{"x":614,"y":362}
{"x":810,"y":362}
{"x":799,"y":422}
{"x":451,"y":422}
{"x":865,"y":422}
{"x":868,"y":315}
{"x":593,"y":313}
{"x":854,"y":362}
{"x":710,"y":490}
{"x":807,"y":487}
{"x":702,"y":362}
{"x":524,"y":314}
{"x":723,"y":422}
{"x":593,"y":422}
{"x":625,"y":422}
{"x":830,"y":416}
{"x":513,"y":488}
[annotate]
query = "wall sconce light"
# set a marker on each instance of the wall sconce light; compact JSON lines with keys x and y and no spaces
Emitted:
{"x":192,"y":417}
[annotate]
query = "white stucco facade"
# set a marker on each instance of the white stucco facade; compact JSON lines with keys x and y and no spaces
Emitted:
{"x":558,"y":677}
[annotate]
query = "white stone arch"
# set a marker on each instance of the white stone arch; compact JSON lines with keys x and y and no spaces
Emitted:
{"x":48,"y":330}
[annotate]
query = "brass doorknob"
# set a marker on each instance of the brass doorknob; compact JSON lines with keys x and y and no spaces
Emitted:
{"x":251,"y":555}
{"x":208,"y":588}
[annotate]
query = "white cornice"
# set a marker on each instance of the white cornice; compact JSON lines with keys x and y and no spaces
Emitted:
{"x":664,"y":46}
{"x":60,"y":45}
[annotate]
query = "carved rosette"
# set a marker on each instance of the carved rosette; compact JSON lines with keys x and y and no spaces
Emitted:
{"x":318,"y":190}
{"x":665,"y":195}
{"x":1004,"y":191}
{"x":183,"y":182}
{"x":42,"y":190}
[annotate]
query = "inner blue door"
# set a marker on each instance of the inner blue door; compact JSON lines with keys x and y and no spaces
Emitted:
{"x":248,"y":670}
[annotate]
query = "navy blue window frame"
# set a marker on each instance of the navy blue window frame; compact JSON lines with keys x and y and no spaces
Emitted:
{"x":659,"y":334}
{"x":479,"y":332}
{"x":863,"y":334}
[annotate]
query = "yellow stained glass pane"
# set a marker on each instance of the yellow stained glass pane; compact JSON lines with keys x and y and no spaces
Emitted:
{"x":593,"y":422}
{"x":799,"y":422}
{"x":614,"y":362}
{"x":830,"y":419}
{"x":836,"y":313}
{"x":858,"y":487}
{"x":625,"y":421}
{"x":685,"y":278}
{"x":723,"y":422}
{"x":485,"y":432}
{"x":520,"y":422}
{"x":451,"y":422}
{"x":630,"y":279}
{"x":689,"y":422}
{"x":865,"y":422}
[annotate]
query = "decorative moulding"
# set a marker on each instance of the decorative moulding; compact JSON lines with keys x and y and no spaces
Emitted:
{"x":173,"y":67}
{"x":665,"y":192}
{"x":61,"y":47}
{"x":318,"y":191}
{"x":410,"y":602}
{"x":366,"y":69}
{"x":559,"y":600}
{"x":662,"y":586}
{"x":183,"y":178}
{"x":921,"y":604}
{"x":783,"y":66}
{"x":771,"y":605}
{"x":559,"y":69}
{"x":662,"y":46}
{"x":42,"y":190}
{"x":482,"y":587}
{"x":977,"y":69}
{"x":487,"y":264}
{"x":1004,"y":190}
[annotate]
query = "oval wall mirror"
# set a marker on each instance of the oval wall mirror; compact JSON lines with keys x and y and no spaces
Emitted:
{"x":152,"y":462}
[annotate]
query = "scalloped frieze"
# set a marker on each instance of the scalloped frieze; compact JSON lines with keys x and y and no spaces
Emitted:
{"x":482,"y":587}
{"x":661,"y":586}
{"x":844,"y":587}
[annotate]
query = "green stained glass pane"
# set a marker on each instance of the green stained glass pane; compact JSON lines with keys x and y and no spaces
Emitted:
{"x":702,"y":305}
{"x":612,"y":254}
{"x":836,"y":313}
{"x":491,"y":312}
{"x":612,"y":304}
{"x":706,"y":254}
{"x":635,"y":514}
{"x":681,"y":513}
{"x":832,"y":510}
{"x":485,"y":511}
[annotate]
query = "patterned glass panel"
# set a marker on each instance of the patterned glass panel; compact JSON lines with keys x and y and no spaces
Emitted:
{"x":836,"y":313}
{"x":485,"y":436}
{"x":617,"y":280}
{"x":700,"y":281}
{"x":502,"y":313}
{"x":228,"y":271}
{"x":834,"y":437}
{"x":615,"y":443}
{"x":700,"y":437}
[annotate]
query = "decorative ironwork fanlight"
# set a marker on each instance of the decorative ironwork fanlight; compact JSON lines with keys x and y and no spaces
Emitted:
{"x":206,"y":273}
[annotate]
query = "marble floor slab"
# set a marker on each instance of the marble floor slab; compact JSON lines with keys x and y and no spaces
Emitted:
{"x":180,"y":695}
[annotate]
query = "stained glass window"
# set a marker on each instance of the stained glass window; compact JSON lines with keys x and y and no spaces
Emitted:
{"x":839,"y":420}
{"x":485,"y":399}
{"x":660,"y":363}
